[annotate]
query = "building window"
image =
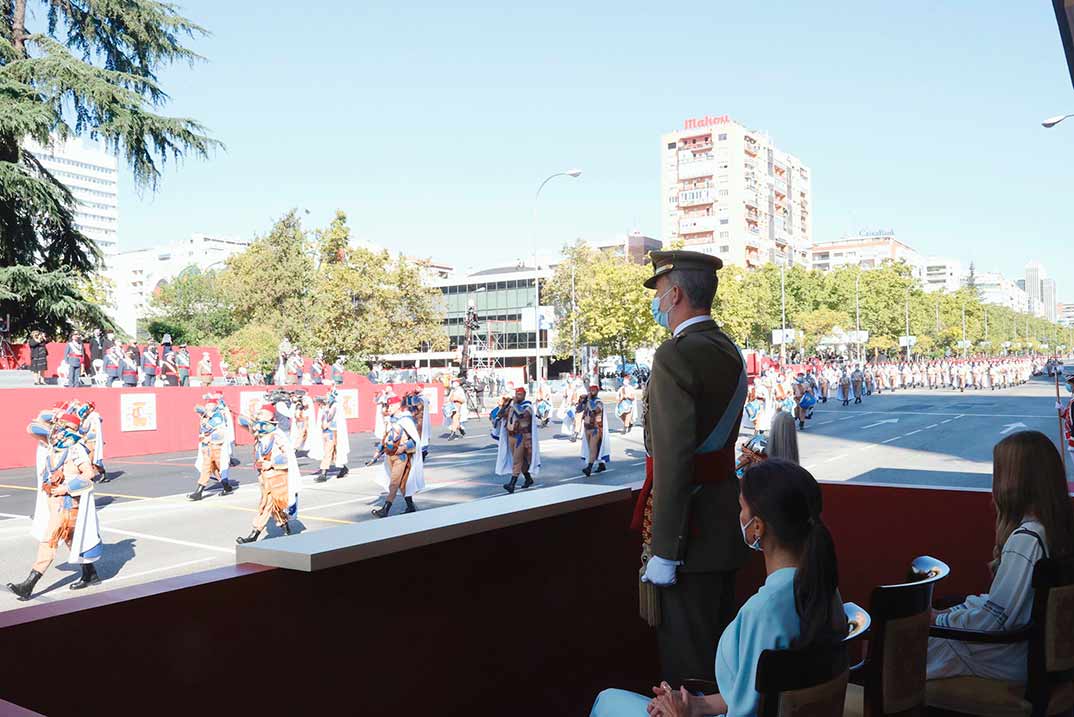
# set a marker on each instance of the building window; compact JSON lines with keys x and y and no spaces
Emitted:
{"x":723,"y":192}
{"x":724,"y":221}
{"x":723,"y":137}
{"x":671,"y":145}
{"x":725,"y":249}
{"x":725,"y":235}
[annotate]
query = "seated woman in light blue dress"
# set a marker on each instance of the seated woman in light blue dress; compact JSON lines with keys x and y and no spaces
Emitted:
{"x":798,"y":606}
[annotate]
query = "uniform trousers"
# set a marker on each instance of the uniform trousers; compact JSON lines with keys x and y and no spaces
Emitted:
{"x":329,"y":457}
{"x":399,"y":469}
{"x":693,"y":614}
{"x":61,"y":528}
{"x":210,"y":464}
{"x":274,"y":498}
{"x":592,"y":437}
{"x":521,"y":453}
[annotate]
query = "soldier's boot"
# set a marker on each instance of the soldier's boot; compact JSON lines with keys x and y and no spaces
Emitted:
{"x":26,"y":587}
{"x":249,"y":538}
{"x":196,"y":495}
{"x":322,"y":476}
{"x":286,"y":527}
{"x":509,"y":486}
{"x":89,"y":577}
{"x":409,"y":505}
{"x":601,"y":468}
{"x":424,"y":453}
{"x":382,"y":512}
{"x":462,"y":431}
{"x":529,"y":479}
{"x":225,"y":487}
{"x":343,"y":471}
{"x":233,"y":461}
{"x":588,"y":470}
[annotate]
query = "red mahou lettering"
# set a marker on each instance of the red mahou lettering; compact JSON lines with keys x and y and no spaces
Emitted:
{"x":706,"y":121}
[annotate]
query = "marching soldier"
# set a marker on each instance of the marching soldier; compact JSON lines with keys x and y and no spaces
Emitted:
{"x":403,"y":464}
{"x":65,"y":511}
{"x":519,"y":450}
{"x":625,"y":407}
{"x":214,"y":447}
{"x":277,"y":473}
{"x":595,"y":448}
{"x":688,"y":508}
{"x":419,"y":411}
{"x":182,"y":362}
{"x":457,"y":399}
{"x":334,"y":447}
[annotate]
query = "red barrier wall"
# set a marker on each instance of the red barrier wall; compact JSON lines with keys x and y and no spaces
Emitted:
{"x":176,"y":422}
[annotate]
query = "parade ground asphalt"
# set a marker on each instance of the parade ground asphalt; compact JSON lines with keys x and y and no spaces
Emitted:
{"x":151,"y":531}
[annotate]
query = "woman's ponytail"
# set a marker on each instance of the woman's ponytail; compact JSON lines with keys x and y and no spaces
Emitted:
{"x":816,"y":583}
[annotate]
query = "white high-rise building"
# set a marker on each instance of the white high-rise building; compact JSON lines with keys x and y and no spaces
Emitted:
{"x":942,"y":274}
{"x":137,"y":274}
{"x":1047,"y":298}
{"x":1034,"y":273}
{"x":1065,"y":315}
{"x":729,"y":191}
{"x":866,"y":249}
{"x":92,"y":176}
{"x":995,"y":289}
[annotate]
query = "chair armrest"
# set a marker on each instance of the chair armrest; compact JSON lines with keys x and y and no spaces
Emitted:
{"x":697,"y":686}
{"x":982,"y":636}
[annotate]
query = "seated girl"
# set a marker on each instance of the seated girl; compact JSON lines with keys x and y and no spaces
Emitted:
{"x":798,"y":606}
{"x":1034,"y":521}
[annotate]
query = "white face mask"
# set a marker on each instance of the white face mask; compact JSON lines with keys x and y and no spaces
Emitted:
{"x":756,"y":544}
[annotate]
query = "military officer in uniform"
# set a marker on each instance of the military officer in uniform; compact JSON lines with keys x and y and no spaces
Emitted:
{"x":688,"y":509}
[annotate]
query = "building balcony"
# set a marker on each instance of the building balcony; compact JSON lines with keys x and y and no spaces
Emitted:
{"x":699,"y":223}
{"x":693,"y":197}
{"x":698,"y":168}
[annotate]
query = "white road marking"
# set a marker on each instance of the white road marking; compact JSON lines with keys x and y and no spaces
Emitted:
{"x":891,"y":439}
{"x":13,"y":515}
{"x":913,"y":432}
{"x":173,"y":541}
{"x":158,"y":570}
{"x":5,"y":496}
{"x":947,"y":421}
{"x":933,"y":425}
{"x":825,"y":423}
{"x":834,"y":458}
{"x":182,"y":458}
{"x":848,"y":418}
{"x":357,"y":499}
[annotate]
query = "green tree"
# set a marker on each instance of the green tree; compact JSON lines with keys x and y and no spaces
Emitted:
{"x":255,"y":344}
{"x":818,"y":323}
{"x":90,"y":70}
{"x":193,"y":306}
{"x":269,"y":283}
{"x":610,"y":305}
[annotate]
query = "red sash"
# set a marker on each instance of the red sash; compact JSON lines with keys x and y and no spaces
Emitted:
{"x":709,"y":468}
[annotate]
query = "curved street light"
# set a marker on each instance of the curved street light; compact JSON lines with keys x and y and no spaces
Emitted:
{"x":1053,"y":121}
{"x":574,"y":174}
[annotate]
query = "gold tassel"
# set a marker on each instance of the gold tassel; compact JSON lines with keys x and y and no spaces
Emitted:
{"x":648,"y":596}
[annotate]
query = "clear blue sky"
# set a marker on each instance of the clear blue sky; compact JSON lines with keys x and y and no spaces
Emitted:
{"x":431,"y":124}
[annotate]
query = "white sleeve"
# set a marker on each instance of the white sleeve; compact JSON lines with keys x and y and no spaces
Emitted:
{"x":1007,"y":604}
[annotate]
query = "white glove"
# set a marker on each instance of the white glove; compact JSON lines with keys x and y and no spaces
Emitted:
{"x":1058,"y":406}
{"x":660,"y":571}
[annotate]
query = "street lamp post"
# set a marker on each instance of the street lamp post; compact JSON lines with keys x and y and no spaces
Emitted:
{"x":783,"y":321}
{"x":1053,"y":121}
{"x":574,"y":173}
{"x":908,"y":323}
{"x":963,"y":329}
{"x":857,"y":314}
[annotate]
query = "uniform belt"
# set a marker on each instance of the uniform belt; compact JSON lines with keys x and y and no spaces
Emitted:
{"x":709,"y":468}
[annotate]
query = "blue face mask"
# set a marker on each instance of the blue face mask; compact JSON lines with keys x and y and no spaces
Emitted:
{"x":660,"y":317}
{"x":755,"y":545}
{"x":263,"y":427}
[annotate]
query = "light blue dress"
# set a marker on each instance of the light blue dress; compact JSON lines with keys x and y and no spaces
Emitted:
{"x":768,"y":621}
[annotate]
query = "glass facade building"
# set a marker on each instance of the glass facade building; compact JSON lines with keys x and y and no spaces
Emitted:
{"x":500,"y":305}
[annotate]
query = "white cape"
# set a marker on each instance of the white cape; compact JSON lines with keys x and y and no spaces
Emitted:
{"x":604,"y":452}
{"x":86,"y":541}
{"x":294,"y":475}
{"x":97,"y":426}
{"x":426,"y":423}
{"x":415,"y":482}
{"x":504,"y":461}
{"x":225,"y":450}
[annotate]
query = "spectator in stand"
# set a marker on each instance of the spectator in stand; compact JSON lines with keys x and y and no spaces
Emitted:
{"x":165,"y":346}
{"x":798,"y":606}
{"x":182,"y":362}
{"x":38,"y":356}
{"x":96,"y":348}
{"x":783,"y":438}
{"x":72,"y":359}
{"x":109,"y":341}
{"x":113,"y":364}
{"x":128,"y":370}
{"x":205,"y":369}
{"x":317,"y":369}
{"x":1034,"y":520}
{"x":149,"y":364}
{"x":169,"y":369}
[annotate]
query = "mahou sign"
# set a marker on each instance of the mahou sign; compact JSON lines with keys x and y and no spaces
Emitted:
{"x":706,"y":121}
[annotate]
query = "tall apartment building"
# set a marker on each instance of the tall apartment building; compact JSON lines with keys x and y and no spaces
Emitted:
{"x":137,"y":274}
{"x":995,"y":289}
{"x":942,"y":274}
{"x":867,"y":249}
{"x":729,"y":191}
{"x":634,"y":246}
{"x":91,"y":174}
{"x":1065,"y":315}
{"x":1047,"y":298}
{"x":1034,"y":273}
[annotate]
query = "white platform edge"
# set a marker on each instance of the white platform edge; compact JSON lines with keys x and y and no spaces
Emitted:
{"x":332,"y":547}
